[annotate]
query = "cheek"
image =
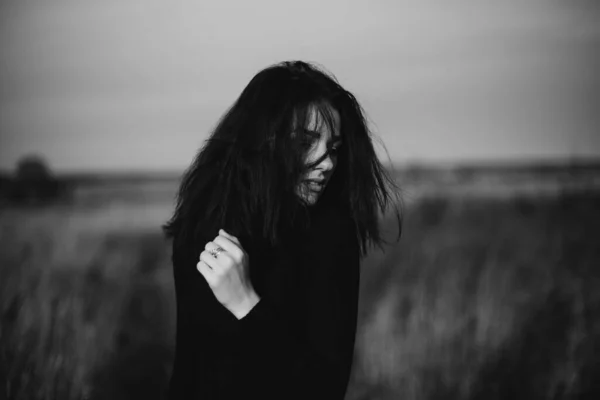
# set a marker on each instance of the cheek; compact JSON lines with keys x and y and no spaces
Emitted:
{"x":310,"y":156}
{"x":309,"y":162}
{"x":308,"y":159}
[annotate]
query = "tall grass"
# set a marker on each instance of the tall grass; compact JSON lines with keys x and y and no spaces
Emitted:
{"x":482,"y":299}
{"x":485,"y":299}
{"x":83,"y":308}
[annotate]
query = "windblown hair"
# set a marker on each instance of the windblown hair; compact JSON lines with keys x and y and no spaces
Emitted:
{"x":246,"y":174}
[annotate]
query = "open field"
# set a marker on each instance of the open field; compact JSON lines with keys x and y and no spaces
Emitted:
{"x":485,"y":297}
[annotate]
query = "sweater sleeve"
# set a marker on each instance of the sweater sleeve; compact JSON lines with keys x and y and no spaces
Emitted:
{"x":317,"y":363}
{"x":201,"y":322}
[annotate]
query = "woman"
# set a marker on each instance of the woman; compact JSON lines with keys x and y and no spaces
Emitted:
{"x":271,"y":220}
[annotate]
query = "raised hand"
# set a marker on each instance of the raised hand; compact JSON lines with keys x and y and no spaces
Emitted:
{"x":224,"y":264}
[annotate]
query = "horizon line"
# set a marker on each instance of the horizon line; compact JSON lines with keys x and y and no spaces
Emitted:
{"x":556,"y":162}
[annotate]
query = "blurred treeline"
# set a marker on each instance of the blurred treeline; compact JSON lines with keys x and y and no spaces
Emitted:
{"x":32,"y":184}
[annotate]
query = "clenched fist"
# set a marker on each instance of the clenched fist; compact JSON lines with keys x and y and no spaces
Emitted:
{"x":227,"y":274}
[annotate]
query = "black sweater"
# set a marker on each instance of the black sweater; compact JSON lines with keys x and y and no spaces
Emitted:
{"x":296,"y":343}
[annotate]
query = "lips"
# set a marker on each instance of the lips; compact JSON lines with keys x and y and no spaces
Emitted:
{"x":315,"y":185}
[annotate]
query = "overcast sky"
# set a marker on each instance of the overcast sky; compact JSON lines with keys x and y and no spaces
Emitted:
{"x":138,"y":84}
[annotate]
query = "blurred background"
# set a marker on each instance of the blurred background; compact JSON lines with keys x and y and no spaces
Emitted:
{"x":486,"y":112}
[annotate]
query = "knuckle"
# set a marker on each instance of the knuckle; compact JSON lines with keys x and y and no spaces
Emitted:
{"x":235,"y":255}
{"x":240,"y":259}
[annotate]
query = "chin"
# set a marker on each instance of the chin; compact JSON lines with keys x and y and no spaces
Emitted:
{"x":310,"y":199}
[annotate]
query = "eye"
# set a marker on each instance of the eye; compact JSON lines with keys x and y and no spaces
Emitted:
{"x":307,"y":144}
{"x":334,"y":149}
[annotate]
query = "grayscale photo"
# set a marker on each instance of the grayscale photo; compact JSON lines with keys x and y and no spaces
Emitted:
{"x":299,"y":200}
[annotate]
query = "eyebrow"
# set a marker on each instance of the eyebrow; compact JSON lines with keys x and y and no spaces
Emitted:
{"x":317,"y":135}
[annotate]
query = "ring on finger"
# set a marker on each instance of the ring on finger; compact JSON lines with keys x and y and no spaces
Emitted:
{"x":215,"y":252}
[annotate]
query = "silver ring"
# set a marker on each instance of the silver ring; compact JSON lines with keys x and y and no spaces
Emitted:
{"x":215,"y":252}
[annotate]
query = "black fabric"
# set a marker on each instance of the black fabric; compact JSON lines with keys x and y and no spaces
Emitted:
{"x":296,"y":343}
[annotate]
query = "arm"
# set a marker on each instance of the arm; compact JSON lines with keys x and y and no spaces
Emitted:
{"x":201,"y":323}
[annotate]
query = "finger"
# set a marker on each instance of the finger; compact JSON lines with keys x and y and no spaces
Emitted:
{"x":206,"y":271}
{"x":212,"y":262}
{"x":227,"y":245}
{"x":230,"y":237}
{"x":222,"y":256}
{"x":211,"y":246}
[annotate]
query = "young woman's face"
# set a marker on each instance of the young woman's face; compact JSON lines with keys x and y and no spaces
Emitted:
{"x":321,"y":145}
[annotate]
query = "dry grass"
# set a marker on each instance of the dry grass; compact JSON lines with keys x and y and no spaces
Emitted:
{"x":84,"y":302}
{"x":482,"y":299}
{"x":485,"y":299}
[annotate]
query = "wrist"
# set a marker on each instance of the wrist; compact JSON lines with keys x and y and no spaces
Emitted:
{"x":246,"y":305}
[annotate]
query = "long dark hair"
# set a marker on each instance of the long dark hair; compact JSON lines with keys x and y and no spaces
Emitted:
{"x":245,"y":175}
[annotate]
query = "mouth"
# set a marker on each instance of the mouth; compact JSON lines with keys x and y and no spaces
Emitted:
{"x":315,"y":185}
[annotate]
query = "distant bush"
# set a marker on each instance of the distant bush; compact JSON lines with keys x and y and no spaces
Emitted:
{"x":5,"y":188}
{"x":33,"y":184}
